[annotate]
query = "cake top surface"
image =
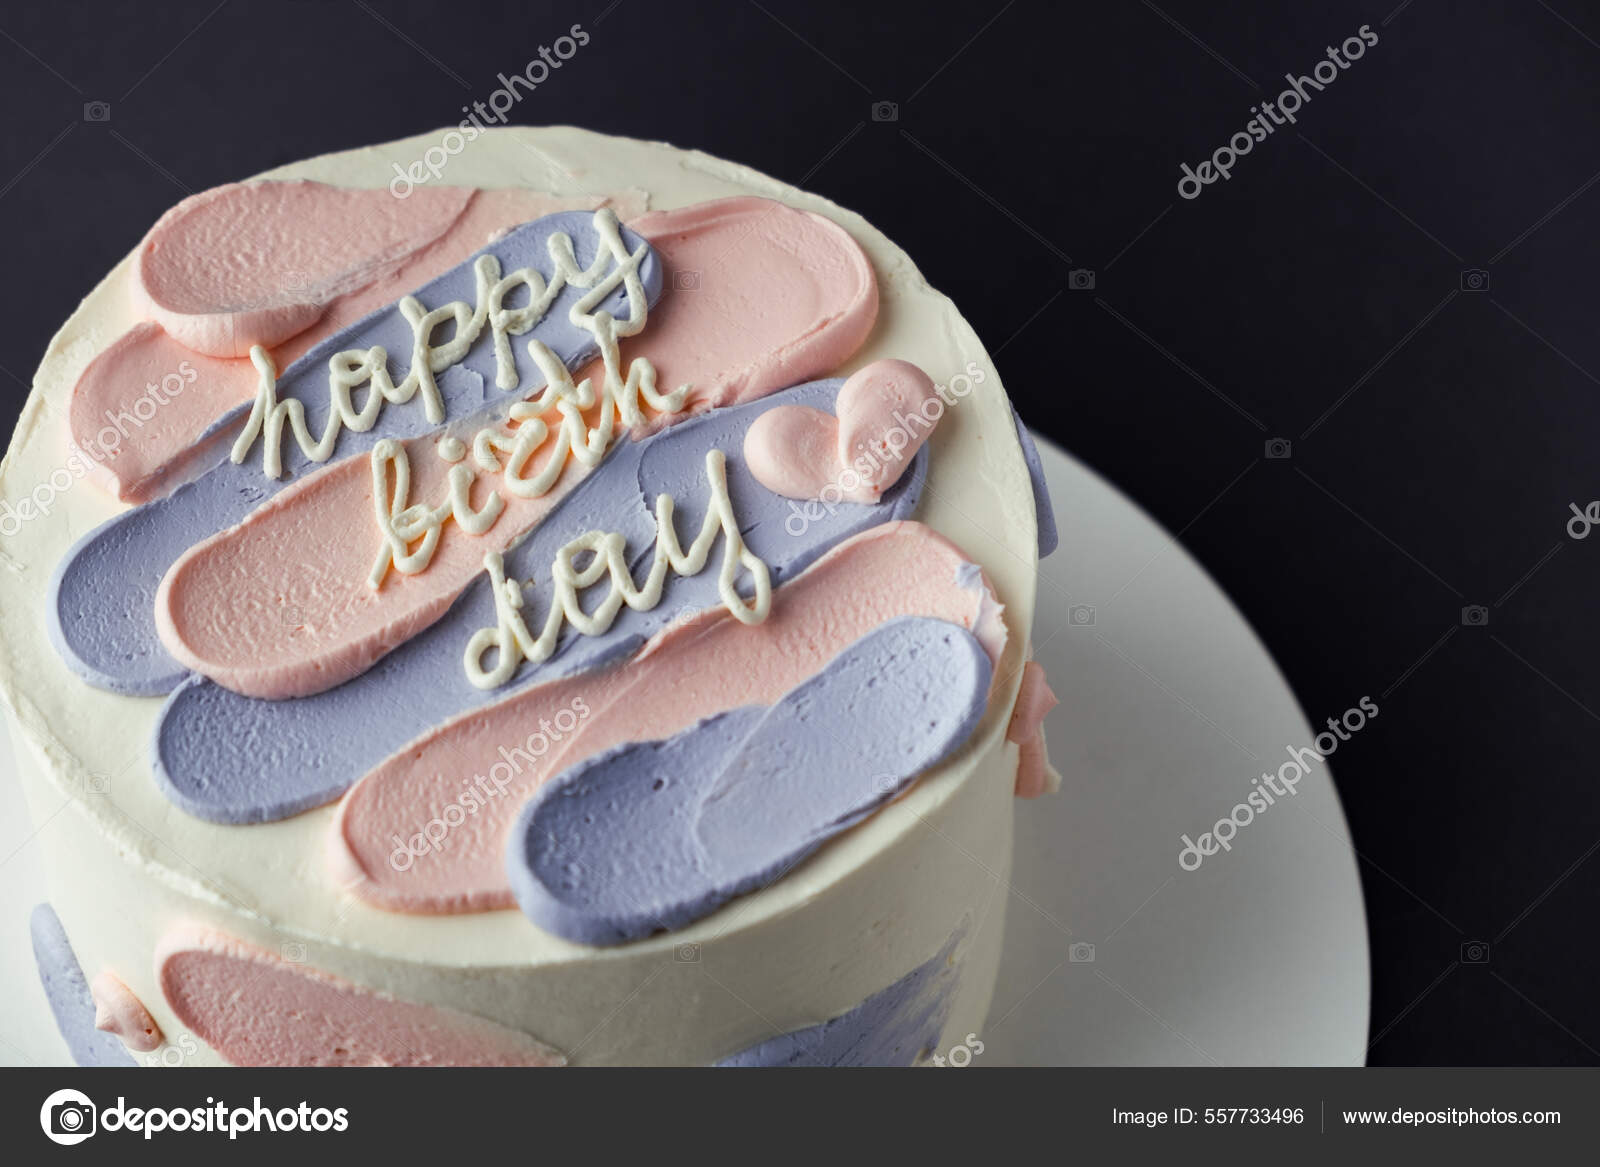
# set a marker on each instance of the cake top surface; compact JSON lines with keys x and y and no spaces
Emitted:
{"x":971,"y":488}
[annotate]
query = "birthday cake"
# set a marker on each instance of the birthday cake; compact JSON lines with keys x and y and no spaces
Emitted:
{"x":525,"y":599}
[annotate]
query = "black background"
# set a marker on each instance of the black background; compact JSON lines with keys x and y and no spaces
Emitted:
{"x":1437,"y":434}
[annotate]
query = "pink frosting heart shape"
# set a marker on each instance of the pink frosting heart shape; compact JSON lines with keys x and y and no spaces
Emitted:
{"x":885,"y":413}
{"x":793,"y":450}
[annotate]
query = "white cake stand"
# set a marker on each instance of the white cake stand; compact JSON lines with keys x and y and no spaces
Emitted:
{"x":1114,"y":955}
{"x":1169,"y":707}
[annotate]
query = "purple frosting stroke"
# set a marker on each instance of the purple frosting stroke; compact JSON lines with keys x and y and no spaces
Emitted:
{"x":67,"y":990}
{"x":897,"y":1026}
{"x":1044,"y":512}
{"x":101,"y":608}
{"x":235,"y":759}
{"x":652,"y":836}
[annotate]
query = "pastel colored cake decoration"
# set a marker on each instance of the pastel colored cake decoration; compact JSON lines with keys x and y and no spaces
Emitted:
{"x":551,"y":574}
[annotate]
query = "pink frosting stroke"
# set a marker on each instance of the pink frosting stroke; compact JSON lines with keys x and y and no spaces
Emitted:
{"x":118,"y":1011}
{"x":140,"y":406}
{"x":1035,"y":698}
{"x":781,"y":296}
{"x":257,"y":262}
{"x":258,"y":1009}
{"x":485,"y":764}
{"x":884,"y":414}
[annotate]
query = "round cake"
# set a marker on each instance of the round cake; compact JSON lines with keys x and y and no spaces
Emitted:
{"x":520,"y":597}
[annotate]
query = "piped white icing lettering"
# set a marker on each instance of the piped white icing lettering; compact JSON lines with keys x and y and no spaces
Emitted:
{"x":613,"y":265}
{"x":514,"y":643}
{"x":619,"y":399}
{"x":402,"y":525}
